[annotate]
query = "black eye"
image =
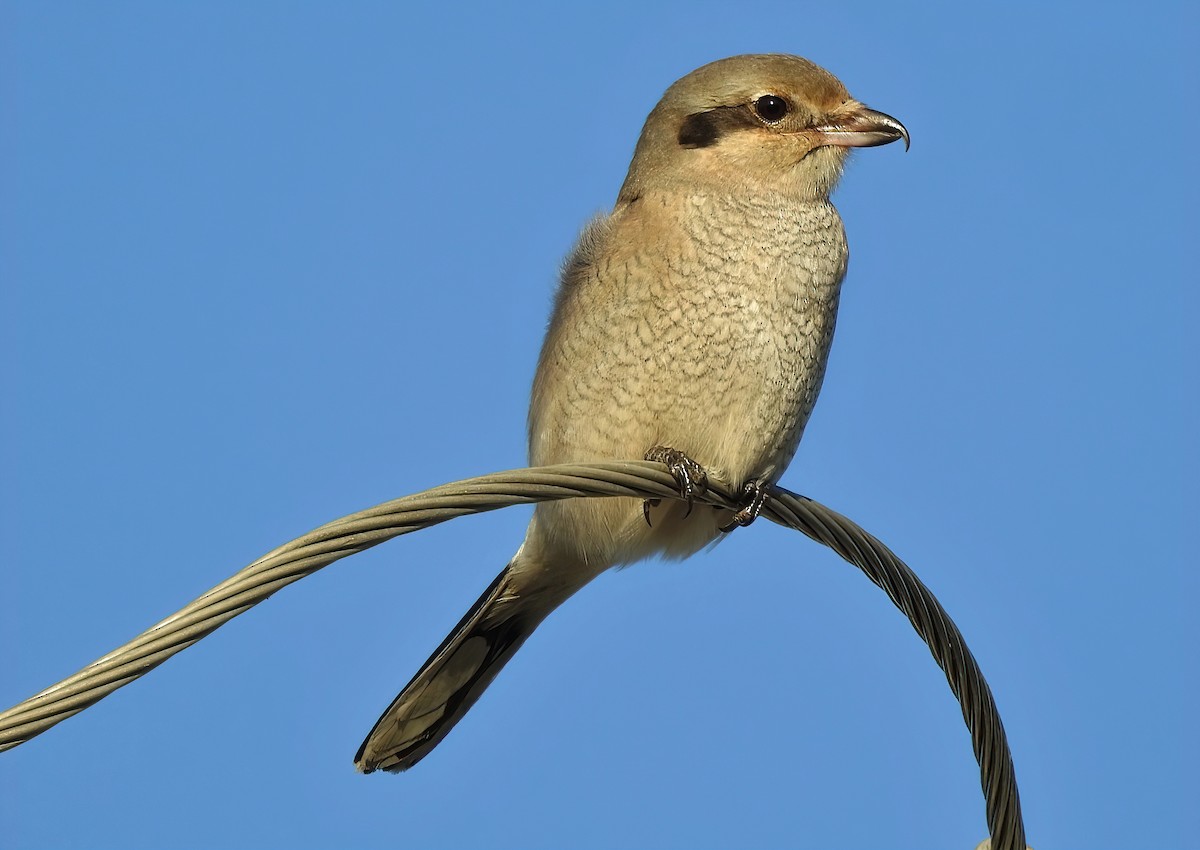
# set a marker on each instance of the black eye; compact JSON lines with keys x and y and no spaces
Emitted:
{"x":771,"y":108}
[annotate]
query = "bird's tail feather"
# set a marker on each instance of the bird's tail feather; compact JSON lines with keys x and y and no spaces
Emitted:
{"x":451,"y":680}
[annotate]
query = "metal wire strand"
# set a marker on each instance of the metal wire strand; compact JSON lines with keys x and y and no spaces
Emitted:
{"x":356,"y":532}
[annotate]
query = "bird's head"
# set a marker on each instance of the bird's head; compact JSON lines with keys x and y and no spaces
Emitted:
{"x":769,"y":122}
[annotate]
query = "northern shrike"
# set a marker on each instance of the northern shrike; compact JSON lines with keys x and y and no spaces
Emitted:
{"x":691,"y":326}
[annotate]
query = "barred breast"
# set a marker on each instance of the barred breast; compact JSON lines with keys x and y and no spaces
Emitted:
{"x":710,"y":336}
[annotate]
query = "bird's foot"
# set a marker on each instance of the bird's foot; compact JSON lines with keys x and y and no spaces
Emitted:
{"x":689,"y":475}
{"x":754,"y":496}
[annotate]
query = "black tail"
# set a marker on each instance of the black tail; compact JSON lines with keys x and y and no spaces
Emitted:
{"x":450,"y":682}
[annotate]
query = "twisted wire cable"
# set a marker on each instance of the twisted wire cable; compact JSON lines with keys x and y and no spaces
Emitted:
{"x":362,"y":530}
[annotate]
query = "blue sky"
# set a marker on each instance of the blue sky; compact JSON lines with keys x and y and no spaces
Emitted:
{"x":262,"y":265}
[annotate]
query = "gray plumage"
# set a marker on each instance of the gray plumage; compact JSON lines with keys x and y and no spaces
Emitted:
{"x":696,"y":316}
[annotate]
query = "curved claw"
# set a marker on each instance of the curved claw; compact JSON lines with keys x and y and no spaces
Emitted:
{"x":689,"y":476}
{"x":754,"y":496}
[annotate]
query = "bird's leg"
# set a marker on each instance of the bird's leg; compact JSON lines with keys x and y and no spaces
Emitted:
{"x":689,"y":475}
{"x":754,"y":496}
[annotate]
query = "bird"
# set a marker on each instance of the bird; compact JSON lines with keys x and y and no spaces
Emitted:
{"x":691,"y":326}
